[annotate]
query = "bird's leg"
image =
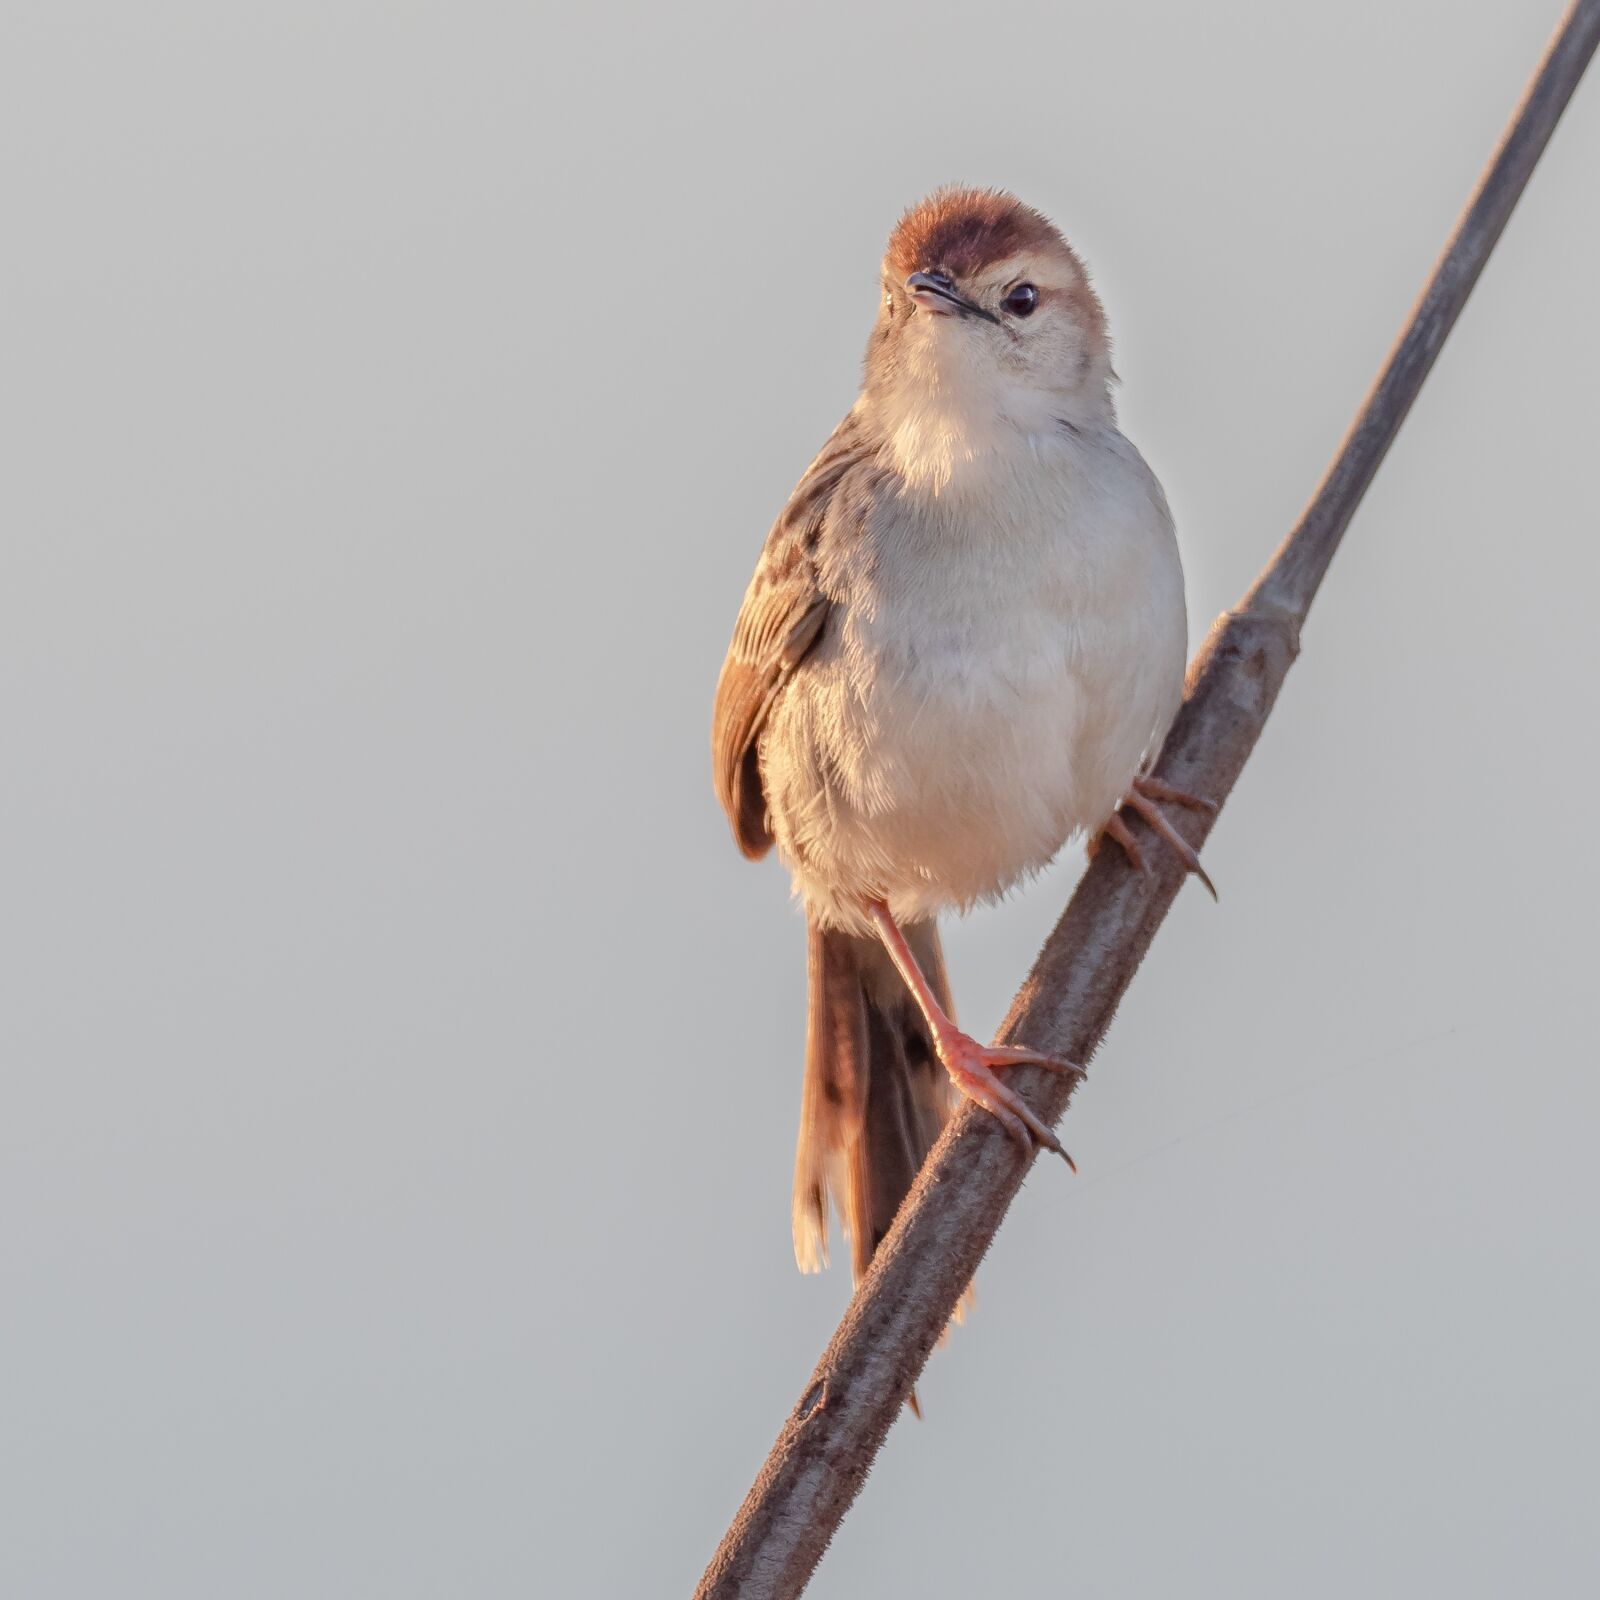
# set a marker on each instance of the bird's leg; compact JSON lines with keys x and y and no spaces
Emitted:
{"x":971,"y":1065}
{"x":1141,"y":800}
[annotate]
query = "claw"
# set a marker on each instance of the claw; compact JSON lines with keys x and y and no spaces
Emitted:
{"x":1141,"y":800}
{"x":972,"y":1068}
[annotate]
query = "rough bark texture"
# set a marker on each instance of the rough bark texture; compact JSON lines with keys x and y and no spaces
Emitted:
{"x":1066,"y":1004}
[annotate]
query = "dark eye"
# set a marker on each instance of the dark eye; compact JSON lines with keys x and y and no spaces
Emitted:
{"x":1022,"y":300}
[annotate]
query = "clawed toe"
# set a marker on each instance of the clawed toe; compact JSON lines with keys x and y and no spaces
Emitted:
{"x":1155,"y":789}
{"x":972,"y":1067}
{"x":1142,"y":798}
{"x":1004,"y":1055}
{"x":1119,"y":830}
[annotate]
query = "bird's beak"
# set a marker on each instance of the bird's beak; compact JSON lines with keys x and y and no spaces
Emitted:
{"x":934,"y":292}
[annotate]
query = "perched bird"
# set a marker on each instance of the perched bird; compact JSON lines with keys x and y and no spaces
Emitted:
{"x":963,"y":645}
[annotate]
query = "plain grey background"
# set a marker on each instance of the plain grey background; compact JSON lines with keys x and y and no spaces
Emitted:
{"x":401,"y":1067}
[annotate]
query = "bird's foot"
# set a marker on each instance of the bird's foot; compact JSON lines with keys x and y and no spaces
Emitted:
{"x":972,"y":1068}
{"x":1142,"y":801}
{"x":971,"y":1065}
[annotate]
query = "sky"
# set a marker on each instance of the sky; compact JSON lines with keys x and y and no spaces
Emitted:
{"x":399,"y":1066}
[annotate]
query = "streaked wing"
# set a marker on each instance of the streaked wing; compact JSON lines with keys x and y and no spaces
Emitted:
{"x":783,"y":615}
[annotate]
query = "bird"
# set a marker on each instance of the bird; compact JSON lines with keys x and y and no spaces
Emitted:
{"x":962,"y":647}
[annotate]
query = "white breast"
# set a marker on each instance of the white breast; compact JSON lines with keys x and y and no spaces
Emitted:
{"x":1011,"y":648}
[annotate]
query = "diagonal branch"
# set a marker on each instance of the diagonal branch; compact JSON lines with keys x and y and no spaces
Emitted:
{"x":1066,"y":1004}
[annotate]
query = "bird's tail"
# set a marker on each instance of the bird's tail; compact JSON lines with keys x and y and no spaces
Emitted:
{"x":875,"y":1094}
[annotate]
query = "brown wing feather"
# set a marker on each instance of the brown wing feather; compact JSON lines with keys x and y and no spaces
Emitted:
{"x":783,"y":616}
{"x":776,"y":629}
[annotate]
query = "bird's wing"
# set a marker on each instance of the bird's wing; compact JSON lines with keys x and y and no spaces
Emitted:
{"x":783,"y":615}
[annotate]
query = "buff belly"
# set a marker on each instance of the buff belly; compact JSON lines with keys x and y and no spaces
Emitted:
{"x":936,"y":775}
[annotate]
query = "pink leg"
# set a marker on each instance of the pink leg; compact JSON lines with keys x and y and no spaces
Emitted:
{"x":972,"y":1065}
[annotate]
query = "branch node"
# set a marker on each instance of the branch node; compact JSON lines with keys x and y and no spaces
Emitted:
{"x":815,"y":1399}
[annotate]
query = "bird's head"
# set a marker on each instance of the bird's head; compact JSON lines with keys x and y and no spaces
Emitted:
{"x":987,"y":320}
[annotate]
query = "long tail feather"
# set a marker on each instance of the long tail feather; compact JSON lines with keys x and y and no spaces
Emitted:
{"x":875,"y":1093}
